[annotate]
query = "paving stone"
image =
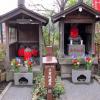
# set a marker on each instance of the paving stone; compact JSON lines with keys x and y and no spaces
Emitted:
{"x":18,"y":93}
{"x":81,"y":91}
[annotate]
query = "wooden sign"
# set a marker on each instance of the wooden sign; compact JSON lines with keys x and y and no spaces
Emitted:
{"x":49,"y":94}
{"x":50,"y":76}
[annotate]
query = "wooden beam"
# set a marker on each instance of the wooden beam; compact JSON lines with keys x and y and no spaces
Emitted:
{"x":79,"y":21}
{"x":23,"y":21}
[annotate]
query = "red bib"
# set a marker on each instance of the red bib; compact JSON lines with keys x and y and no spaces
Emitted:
{"x":35,"y":52}
{"x":21,"y":52}
{"x":27,"y":55}
{"x":74,"y":32}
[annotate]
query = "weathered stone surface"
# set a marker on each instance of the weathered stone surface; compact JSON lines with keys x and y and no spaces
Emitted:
{"x":81,"y":91}
{"x":18,"y":93}
{"x":9,"y":75}
{"x":81,"y":76}
{"x":77,"y":50}
{"x":27,"y":76}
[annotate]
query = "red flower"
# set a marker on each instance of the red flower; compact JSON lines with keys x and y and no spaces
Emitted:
{"x":16,"y":63}
{"x":74,"y":61}
{"x":88,"y":59}
{"x":29,"y":62}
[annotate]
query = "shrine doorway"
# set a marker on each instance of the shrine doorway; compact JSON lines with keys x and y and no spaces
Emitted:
{"x":85,"y":32}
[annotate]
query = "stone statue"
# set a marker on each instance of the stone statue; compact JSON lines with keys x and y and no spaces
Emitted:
{"x":74,"y":35}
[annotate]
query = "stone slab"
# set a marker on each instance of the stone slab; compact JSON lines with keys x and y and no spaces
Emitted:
{"x":81,"y":76}
{"x":18,"y":93}
{"x":28,"y":76}
{"x":81,"y":91}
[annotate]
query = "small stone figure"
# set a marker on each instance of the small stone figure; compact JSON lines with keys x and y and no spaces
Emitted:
{"x":21,"y":51}
{"x":74,"y":35}
{"x":27,"y":54}
{"x":35,"y":54}
{"x":74,"y":32}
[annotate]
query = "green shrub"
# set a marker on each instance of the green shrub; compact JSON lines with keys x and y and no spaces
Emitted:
{"x":58,"y":89}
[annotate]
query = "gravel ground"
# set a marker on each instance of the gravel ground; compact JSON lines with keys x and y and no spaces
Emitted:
{"x":81,"y":91}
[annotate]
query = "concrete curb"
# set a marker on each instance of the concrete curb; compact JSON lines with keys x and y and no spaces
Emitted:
{"x":5,"y":90}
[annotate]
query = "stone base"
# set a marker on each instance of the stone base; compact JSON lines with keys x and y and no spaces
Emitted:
{"x":23,"y":78}
{"x":9,"y":75}
{"x":66,"y":71}
{"x":81,"y":76}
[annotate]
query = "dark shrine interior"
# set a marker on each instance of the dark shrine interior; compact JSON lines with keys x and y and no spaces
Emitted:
{"x":27,"y":36}
{"x":84,"y":32}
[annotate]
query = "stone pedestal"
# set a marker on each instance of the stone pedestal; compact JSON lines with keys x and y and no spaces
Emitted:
{"x":23,"y":78}
{"x":66,"y":71}
{"x":81,"y":76}
{"x":9,"y":75}
{"x":76,"y":49}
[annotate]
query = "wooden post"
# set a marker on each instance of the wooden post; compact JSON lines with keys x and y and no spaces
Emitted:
{"x":93,"y":40}
{"x":40,"y":43}
{"x":61,"y":38}
{"x":50,"y":75}
{"x":1,"y":34}
{"x":7,"y":45}
{"x":49,"y":94}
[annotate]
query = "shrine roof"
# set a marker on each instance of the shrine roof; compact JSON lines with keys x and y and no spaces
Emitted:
{"x":25,"y":11}
{"x":58,"y":16}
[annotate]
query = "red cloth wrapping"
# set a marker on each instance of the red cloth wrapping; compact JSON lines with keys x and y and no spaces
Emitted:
{"x":74,"y":32}
{"x":21,"y":52}
{"x":27,"y":55}
{"x":35,"y":52}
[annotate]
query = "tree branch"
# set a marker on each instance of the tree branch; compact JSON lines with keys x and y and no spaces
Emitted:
{"x":58,"y":2}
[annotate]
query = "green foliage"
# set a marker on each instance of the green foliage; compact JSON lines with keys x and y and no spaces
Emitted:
{"x":15,"y":66}
{"x":39,"y":77}
{"x":88,"y":66}
{"x":2,"y":52}
{"x":45,"y":36}
{"x":71,"y":3}
{"x":39,"y":87}
{"x":89,"y":2}
{"x":41,"y":98}
{"x":88,"y":63}
{"x":42,"y":91}
{"x":50,"y":37}
{"x":30,"y":69}
{"x":58,"y":89}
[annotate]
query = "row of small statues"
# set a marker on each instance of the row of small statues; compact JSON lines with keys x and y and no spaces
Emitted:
{"x":27,"y":52}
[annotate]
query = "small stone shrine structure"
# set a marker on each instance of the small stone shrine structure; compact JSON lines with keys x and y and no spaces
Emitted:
{"x":23,"y":34}
{"x":77,"y":30}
